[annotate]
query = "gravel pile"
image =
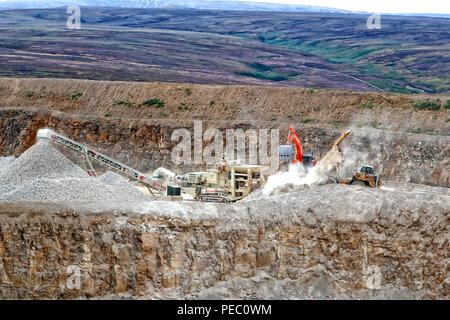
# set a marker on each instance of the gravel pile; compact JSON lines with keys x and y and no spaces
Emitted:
{"x":113,"y":179}
{"x":42,"y":173}
{"x":6,"y":162}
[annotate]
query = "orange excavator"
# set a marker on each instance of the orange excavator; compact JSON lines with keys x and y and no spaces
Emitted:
{"x":294,"y":151}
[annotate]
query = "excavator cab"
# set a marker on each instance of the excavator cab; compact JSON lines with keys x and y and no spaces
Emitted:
{"x":293,"y":151}
{"x":366,"y":177}
{"x":309,"y":160}
{"x":366,"y":170}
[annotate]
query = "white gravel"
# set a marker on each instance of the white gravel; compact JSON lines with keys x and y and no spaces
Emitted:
{"x":114,"y":179}
{"x":42,"y":173}
{"x":5,"y":162}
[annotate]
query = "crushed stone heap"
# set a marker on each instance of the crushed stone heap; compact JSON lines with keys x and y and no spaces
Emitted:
{"x":5,"y":162}
{"x":42,"y":173}
{"x":114,"y":179}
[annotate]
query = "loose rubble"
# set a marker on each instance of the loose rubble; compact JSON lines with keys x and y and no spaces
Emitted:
{"x":6,"y":162}
{"x":113,"y":179}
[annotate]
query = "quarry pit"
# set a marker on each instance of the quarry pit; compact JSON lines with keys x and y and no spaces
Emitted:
{"x":65,"y":236}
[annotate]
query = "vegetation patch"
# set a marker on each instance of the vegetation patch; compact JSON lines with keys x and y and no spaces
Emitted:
{"x":368,"y":105}
{"x":428,"y":105}
{"x":259,"y":67}
{"x":447,"y":104}
{"x":157,"y":103}
{"x":305,"y":121}
{"x":265,"y":72}
{"x":188,"y":92}
{"x":124,"y":103}
{"x":77,"y":95}
{"x":423,"y":131}
{"x":272,"y":76}
{"x":108,"y":115}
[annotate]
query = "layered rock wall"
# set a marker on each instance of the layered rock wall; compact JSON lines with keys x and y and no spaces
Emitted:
{"x":354,"y":242}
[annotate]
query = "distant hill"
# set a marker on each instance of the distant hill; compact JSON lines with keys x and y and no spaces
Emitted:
{"x":188,"y":4}
{"x":192,"y":4}
{"x":301,"y":49}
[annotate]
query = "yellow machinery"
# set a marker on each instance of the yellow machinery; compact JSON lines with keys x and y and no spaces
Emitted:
{"x":365,"y":177}
{"x":225,"y":183}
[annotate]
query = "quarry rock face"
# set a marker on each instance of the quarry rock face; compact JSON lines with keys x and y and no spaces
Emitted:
{"x":333,"y":241}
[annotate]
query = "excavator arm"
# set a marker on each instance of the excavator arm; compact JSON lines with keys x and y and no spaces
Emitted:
{"x":294,"y":138}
